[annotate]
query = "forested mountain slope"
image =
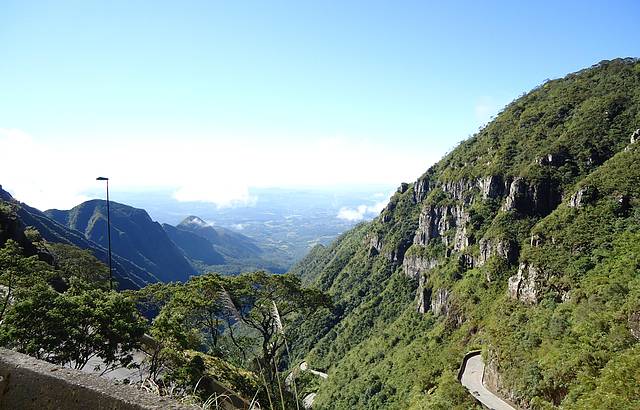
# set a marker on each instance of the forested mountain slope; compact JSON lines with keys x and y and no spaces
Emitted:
{"x":524,"y":241}
{"x":127,"y":274}
{"x":134,"y":236}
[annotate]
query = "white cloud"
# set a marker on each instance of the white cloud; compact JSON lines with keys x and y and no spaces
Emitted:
{"x":34,"y":174}
{"x":224,"y":194}
{"x":361,"y":211}
{"x":49,"y":173}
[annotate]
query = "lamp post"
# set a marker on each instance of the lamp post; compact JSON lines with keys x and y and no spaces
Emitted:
{"x":108,"y":232}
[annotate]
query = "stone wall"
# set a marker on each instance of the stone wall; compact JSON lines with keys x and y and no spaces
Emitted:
{"x":27,"y":383}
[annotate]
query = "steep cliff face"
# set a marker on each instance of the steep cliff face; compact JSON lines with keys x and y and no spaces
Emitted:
{"x":495,"y":232}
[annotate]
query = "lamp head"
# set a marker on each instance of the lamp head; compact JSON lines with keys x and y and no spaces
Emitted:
{"x":102,"y":179}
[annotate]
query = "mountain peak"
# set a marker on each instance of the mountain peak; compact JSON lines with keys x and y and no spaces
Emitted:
{"x":195,"y":220}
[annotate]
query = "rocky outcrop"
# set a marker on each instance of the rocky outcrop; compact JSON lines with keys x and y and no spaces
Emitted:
{"x":583,"y":196}
{"x":375,"y":245}
{"x":466,"y":262}
{"x":461,"y":238}
{"x":554,"y":160}
{"x":535,"y":241}
{"x":423,"y":294}
{"x":435,"y":221}
{"x":634,"y":324}
{"x":414,"y":266}
{"x":503,"y":248}
{"x":420,"y":189}
{"x":440,"y":302}
{"x":576,"y":199}
{"x":460,"y":190}
{"x":431,"y":224}
{"x":417,"y":268}
{"x":531,"y":199}
{"x":523,"y":285}
{"x":492,"y":379}
{"x":491,"y":186}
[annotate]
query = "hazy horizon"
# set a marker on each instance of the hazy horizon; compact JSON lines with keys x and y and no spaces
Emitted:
{"x":212,"y":100}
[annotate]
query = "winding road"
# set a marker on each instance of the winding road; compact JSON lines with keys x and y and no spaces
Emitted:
{"x":471,"y":378}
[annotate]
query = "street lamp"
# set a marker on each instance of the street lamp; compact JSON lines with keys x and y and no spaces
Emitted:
{"x":108,"y":232}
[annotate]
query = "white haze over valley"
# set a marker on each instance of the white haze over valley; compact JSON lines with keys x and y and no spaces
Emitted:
{"x":361,"y":212}
{"x":60,"y":173}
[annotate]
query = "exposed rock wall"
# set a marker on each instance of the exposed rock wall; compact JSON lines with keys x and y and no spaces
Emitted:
{"x":448,"y":221}
{"x":523,"y":285}
{"x":375,"y":245}
{"x":493,"y":380}
{"x":503,"y":248}
{"x":421,"y":189}
{"x":538,"y":198}
{"x":415,"y":266}
{"x":440,"y":302}
{"x":491,"y":186}
{"x":423,"y":295}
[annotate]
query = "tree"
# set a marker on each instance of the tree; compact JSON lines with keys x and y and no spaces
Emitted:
{"x":79,"y":265}
{"x":200,"y":303}
{"x":266,"y":303}
{"x":18,"y":271}
{"x":72,"y":327}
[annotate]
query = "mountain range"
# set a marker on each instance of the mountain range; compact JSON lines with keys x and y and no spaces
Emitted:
{"x":143,"y":250}
{"x":127,"y":274}
{"x":523,"y":242}
{"x":134,"y":236}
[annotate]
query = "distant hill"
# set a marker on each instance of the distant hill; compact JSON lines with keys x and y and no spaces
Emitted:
{"x":213,"y":248}
{"x":128,"y":274}
{"x":194,"y":246}
{"x":227,"y":242}
{"x":134,"y":236}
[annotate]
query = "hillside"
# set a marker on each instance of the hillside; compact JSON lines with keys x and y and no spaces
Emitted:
{"x":127,"y":274}
{"x":524,"y":242}
{"x":134,"y":236}
{"x":194,"y":247}
{"x":227,"y":242}
{"x":216,"y":249}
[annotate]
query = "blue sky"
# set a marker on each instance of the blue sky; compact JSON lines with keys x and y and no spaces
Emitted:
{"x":257,"y":93}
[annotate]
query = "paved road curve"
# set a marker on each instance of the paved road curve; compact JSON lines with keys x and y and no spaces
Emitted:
{"x":472,"y":380}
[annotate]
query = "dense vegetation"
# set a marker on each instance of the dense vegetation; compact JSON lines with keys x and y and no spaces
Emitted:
{"x":211,"y":336}
{"x":523,"y":242}
{"x":61,"y":311}
{"x":127,"y":274}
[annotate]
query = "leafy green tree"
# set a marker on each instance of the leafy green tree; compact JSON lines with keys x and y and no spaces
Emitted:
{"x":266,"y":303}
{"x":72,"y":327}
{"x":200,"y":304}
{"x":79,"y":267}
{"x":17,"y":271}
